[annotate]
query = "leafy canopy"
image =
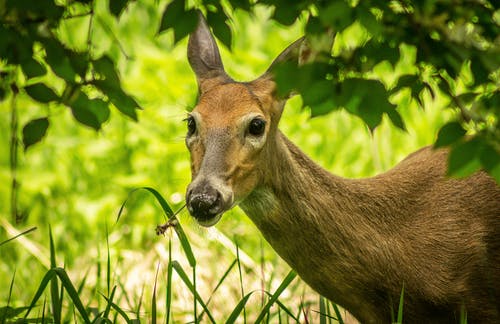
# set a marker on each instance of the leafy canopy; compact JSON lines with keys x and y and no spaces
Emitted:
{"x":457,"y":47}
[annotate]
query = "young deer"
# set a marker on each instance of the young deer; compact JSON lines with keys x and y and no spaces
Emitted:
{"x":356,"y":242}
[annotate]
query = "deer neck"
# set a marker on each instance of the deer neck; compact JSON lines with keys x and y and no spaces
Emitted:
{"x":313,"y":219}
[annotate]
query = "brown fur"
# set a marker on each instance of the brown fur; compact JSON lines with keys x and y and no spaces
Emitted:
{"x":357,"y":242}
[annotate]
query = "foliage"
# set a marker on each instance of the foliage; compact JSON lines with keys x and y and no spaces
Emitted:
{"x":456,"y":42}
{"x":31,"y":48}
{"x":457,"y":53}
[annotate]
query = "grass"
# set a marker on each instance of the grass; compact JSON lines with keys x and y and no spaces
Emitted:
{"x":68,"y":300}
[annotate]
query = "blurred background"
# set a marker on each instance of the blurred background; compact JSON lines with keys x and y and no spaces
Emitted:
{"x":76,"y":179}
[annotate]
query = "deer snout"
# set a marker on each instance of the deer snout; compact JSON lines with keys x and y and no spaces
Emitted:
{"x":206,"y":203}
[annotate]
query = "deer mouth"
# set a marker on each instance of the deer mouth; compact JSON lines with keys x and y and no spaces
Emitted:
{"x":208,"y":221}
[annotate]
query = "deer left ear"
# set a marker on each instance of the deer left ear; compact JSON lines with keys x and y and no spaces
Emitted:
{"x":203,"y":53}
{"x":297,"y":52}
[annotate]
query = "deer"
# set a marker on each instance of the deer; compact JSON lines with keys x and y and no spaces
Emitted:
{"x":357,"y":242}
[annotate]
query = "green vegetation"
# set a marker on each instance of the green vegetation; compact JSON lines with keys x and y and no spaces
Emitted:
{"x":96,"y":63}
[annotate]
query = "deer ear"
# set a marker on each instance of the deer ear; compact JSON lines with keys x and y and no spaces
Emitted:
{"x":203,"y":53}
{"x":297,"y":52}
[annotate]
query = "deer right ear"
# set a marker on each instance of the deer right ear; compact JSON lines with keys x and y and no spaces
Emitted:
{"x":203,"y":53}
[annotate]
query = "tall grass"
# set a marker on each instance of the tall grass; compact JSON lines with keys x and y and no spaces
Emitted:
{"x":68,"y":302}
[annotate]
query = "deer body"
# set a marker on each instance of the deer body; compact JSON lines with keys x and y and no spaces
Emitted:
{"x":357,"y":242}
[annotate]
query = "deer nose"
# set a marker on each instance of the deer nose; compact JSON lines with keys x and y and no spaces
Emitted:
{"x":204,"y":205}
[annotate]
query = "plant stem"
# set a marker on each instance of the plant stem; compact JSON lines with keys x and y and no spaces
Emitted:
{"x":14,"y":148}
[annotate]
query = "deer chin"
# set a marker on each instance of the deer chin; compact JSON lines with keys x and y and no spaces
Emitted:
{"x":209,"y":222}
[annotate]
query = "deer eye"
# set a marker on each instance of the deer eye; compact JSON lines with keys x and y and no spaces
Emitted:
{"x":191,"y":125}
{"x":257,"y":127}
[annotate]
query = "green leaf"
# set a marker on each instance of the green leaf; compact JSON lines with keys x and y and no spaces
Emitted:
{"x":367,"y":19}
{"x":490,"y":160}
{"x":41,"y":93}
{"x":337,"y":14}
{"x":219,"y":23}
{"x":449,"y":134}
{"x":79,"y":62}
{"x":34,"y":131}
{"x":116,"y":6}
{"x":90,"y":112}
{"x":175,"y":16}
{"x":57,"y":57}
{"x":106,"y":67}
{"x":32,"y":68}
{"x":125,"y":103}
{"x":464,"y":158}
{"x":286,"y":15}
{"x":172,"y":14}
{"x":368,"y":99}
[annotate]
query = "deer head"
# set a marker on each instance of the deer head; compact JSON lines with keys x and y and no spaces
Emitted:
{"x":231,"y":131}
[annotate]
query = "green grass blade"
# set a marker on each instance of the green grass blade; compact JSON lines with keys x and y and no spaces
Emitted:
{"x":195,"y":310}
{"x":105,"y":315}
{"x":153,"y":301}
{"x":239,"y":308}
{"x":240,"y":275}
{"x":163,"y":203}
{"x":224,"y":276}
{"x":184,"y":277}
{"x":463,"y":314}
{"x":186,"y":246}
{"x":284,"y":284}
{"x":138,"y":312}
{"x":322,"y":310}
{"x":43,"y":284}
{"x":168,"y":300}
{"x":70,"y":288}
{"x":117,"y":309}
{"x":287,"y":310}
{"x":337,"y":313}
{"x":8,"y":312}
{"x":18,"y":235}
{"x":84,"y":281}
{"x":43,"y":310}
{"x":108,"y":262}
{"x":400,"y":307}
{"x":3,"y":311}
{"x":54,"y":285}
